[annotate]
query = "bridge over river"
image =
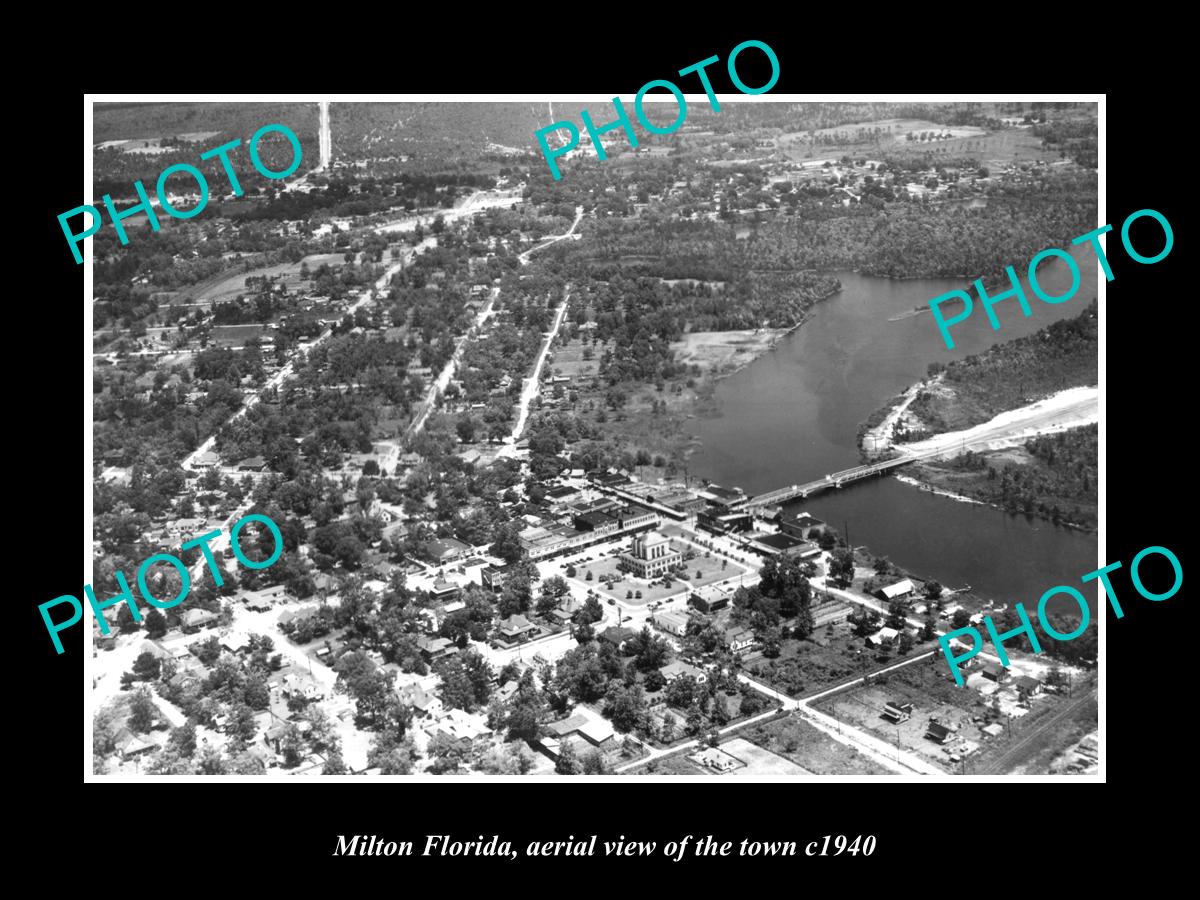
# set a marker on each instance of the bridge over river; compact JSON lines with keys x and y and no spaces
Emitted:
{"x":838,"y":479}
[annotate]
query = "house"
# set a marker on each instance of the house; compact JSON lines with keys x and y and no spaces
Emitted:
{"x":423,"y":703}
{"x":996,"y":672}
{"x":938,"y":733}
{"x":194,"y":619}
{"x":893,"y":591}
{"x":672,"y":622}
{"x":130,"y":745}
{"x":516,"y":629}
{"x":993,"y":730}
{"x":235,"y":641}
{"x":252,"y":464}
{"x":206,"y":460}
{"x":716,"y":759}
{"x":1028,"y":685}
{"x":616,"y":635}
{"x":739,"y":639}
{"x":897,"y":711}
{"x":677,"y":668}
{"x":460,"y":727}
{"x":883,"y":636}
{"x":435,"y":648}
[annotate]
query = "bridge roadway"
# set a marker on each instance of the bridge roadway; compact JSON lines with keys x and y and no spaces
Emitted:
{"x":837,"y":479}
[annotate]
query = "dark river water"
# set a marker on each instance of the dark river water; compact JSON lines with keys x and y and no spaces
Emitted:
{"x":793,"y":416}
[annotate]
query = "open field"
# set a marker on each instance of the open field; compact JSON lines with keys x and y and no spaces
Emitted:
{"x":760,"y":762}
{"x":721,"y":351}
{"x":234,"y":335}
{"x":223,"y":288}
{"x":568,"y":360}
{"x":810,"y":749}
{"x":930,"y":687}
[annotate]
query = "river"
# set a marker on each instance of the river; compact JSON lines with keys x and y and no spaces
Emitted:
{"x":793,"y":415}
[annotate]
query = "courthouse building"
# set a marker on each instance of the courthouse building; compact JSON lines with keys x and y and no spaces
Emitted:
{"x":652,"y":555}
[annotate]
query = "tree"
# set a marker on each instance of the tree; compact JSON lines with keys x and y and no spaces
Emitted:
{"x":292,"y":745}
{"x":841,"y":567}
{"x":156,"y":624}
{"x":961,"y":618}
{"x":928,"y":633}
{"x":506,"y":542}
{"x":593,"y":763}
{"x":334,"y":765}
{"x":142,"y":711}
{"x":897,"y":613}
{"x":183,"y":739}
{"x":933,"y":591}
{"x":866,"y":622}
{"x":625,"y":706}
{"x":668,"y":729}
{"x":125,"y":620}
{"x":567,"y":764}
{"x":147,"y":666}
{"x":905,"y":643}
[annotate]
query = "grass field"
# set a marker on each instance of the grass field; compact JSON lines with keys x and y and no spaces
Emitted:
{"x":234,"y":335}
{"x":760,"y":762}
{"x":810,"y":749}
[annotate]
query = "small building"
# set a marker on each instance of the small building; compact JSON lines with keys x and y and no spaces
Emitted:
{"x":130,"y":745}
{"x":802,"y":526}
{"x":423,"y":703}
{"x":672,"y":622}
{"x":261,"y":601}
{"x":516,"y":629}
{"x":194,"y":619}
{"x":739,"y":639}
{"x":716,"y":759}
{"x":597,"y":732}
{"x":993,"y":730}
{"x":252,"y":464}
{"x":206,"y":460}
{"x":996,"y":672}
{"x":711,"y":598}
{"x":883,"y":636}
{"x":494,"y":577}
{"x":897,"y":711}
{"x":435,"y":648}
{"x":938,"y":733}
{"x":444,"y":550}
{"x":1028,"y":685}
{"x":443,"y":591}
{"x":893,"y":591}
{"x":677,"y":668}
{"x":616,"y":635}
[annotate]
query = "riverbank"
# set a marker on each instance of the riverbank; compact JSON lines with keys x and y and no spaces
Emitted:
{"x":721,"y":353}
{"x":1053,"y":476}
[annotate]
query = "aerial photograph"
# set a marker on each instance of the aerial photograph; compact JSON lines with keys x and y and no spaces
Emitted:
{"x":667,"y":466}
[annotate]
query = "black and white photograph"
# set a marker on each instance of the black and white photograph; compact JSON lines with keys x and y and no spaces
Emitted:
{"x":734,"y":437}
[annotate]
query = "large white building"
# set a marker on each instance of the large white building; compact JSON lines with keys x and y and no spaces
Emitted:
{"x":651,"y":555}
